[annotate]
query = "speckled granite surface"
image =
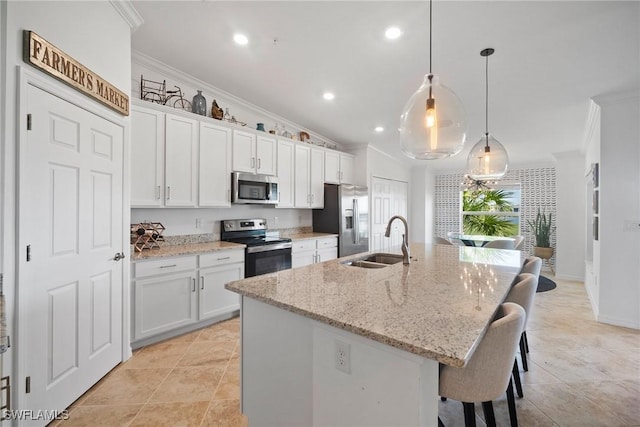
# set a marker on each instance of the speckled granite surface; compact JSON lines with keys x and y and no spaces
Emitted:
{"x":186,"y":249}
{"x":309,"y":235}
{"x":437,"y":307}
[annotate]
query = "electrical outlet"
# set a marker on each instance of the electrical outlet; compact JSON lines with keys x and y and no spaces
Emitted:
{"x":343,"y":357}
{"x":198,"y":222}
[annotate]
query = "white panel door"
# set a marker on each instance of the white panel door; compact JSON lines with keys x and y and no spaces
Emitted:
{"x":266,"y":152}
{"x":147,"y":154}
{"x":181,"y":161}
{"x":70,"y":288}
{"x":332,"y":167}
{"x":302,"y":196}
{"x":286,"y":159}
{"x":214,"y":183}
{"x":388,"y":198}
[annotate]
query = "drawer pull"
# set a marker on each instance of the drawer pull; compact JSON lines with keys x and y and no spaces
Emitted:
{"x":168,"y":266}
{"x":194,"y":285}
{"x":202,"y":282}
{"x":223,"y":258}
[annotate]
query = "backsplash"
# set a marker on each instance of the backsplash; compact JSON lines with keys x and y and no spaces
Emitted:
{"x":203,"y":225}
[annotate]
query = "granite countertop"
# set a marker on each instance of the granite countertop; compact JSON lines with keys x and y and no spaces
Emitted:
{"x":438,"y":307}
{"x":310,"y":235}
{"x":186,"y":249}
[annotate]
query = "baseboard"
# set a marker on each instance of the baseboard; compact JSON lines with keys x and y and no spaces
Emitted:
{"x":618,"y":322}
{"x":593,"y":301}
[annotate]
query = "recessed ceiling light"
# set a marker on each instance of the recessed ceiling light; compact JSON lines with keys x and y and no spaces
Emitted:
{"x":328,"y":96}
{"x":240,"y":39}
{"x":393,"y":33}
{"x":379,"y":129}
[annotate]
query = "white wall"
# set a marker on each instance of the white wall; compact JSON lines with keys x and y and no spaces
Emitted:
{"x":570,"y":221}
{"x":592,"y":250}
{"x":93,"y":33}
{"x":422,"y":201}
{"x":619,"y":299}
{"x":183,"y":221}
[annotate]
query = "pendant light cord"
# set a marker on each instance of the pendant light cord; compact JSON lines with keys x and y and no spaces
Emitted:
{"x":430,"y":31}
{"x":486,"y":100}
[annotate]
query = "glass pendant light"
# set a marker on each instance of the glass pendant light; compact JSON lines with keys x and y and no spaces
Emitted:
{"x":433,"y":123}
{"x":488,"y":158}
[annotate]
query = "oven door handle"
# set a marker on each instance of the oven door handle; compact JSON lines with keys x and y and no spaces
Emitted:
{"x":266,"y":248}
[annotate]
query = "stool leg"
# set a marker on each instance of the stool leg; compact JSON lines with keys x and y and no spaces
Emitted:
{"x":526,"y":341}
{"x":469,"y":415}
{"x":516,"y":378}
{"x":523,"y":355}
{"x":440,"y":423}
{"x":489,"y":417}
{"x":511,"y":402}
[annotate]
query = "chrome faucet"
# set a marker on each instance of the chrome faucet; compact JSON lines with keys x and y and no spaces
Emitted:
{"x":405,"y":237}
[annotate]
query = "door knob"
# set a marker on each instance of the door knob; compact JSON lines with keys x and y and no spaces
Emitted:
{"x":118,"y":256}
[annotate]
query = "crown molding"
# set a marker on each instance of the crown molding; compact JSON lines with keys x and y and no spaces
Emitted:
{"x":160,"y":67}
{"x":616,"y":97}
{"x":128,"y":12}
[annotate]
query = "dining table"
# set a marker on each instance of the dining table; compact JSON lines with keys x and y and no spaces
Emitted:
{"x":478,"y":240}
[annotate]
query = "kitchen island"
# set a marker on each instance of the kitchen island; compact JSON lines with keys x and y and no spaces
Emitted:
{"x":334,"y":344}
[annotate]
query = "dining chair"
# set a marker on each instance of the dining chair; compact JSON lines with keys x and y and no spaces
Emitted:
{"x":518,"y":242}
{"x":487,"y":374}
{"x":499,"y":244}
{"x":441,"y":241}
{"x":522,"y":293}
{"x":532,"y":265}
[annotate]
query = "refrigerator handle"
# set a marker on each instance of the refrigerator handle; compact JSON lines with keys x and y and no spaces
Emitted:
{"x":356,"y":225}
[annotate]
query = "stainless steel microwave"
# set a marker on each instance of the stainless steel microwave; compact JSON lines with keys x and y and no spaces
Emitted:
{"x":247,"y":188}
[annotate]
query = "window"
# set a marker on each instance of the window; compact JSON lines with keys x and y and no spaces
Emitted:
{"x":491,"y":212}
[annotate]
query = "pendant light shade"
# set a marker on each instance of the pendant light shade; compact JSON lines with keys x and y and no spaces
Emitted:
{"x":488,"y":159}
{"x":433,"y":124}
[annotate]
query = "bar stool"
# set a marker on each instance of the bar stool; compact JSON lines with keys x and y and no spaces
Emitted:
{"x":488,"y":373}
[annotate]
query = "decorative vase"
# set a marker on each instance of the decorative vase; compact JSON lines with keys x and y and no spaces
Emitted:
{"x":199,"y":104}
{"x":542,"y":252}
{"x":260,"y":127}
{"x":216,"y":111}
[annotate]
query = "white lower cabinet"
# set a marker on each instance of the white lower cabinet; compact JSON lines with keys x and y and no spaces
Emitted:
{"x":312,"y":251}
{"x":173,"y":293}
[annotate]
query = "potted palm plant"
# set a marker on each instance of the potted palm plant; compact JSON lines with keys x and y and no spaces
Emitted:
{"x":541,"y":229}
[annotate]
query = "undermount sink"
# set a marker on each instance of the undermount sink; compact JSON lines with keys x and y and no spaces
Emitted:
{"x":377,"y":260}
{"x":384,"y":258}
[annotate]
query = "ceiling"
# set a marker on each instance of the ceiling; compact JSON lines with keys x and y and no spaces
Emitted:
{"x":551,"y":58}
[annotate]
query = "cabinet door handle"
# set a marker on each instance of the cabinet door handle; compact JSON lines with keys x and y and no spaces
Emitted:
{"x":158,"y":192}
{"x":194,"y":285}
{"x":202,"y":283}
{"x":259,"y":163}
{"x":223,"y":258}
{"x":168,"y":192}
{"x":319,"y":258}
{"x":228,"y":195}
{"x":167,"y":266}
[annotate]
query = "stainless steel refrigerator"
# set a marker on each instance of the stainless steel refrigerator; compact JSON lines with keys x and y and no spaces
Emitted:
{"x":346,"y":213}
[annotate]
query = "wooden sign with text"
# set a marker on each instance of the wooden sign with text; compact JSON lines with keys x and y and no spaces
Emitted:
{"x":42,"y":54}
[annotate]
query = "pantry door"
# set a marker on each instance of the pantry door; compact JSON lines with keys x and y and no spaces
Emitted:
{"x":70,"y":229}
{"x":388,"y":198}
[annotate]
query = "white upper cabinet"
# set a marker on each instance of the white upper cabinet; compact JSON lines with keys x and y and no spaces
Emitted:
{"x":181,"y":162}
{"x":309,"y":177}
{"x":286,"y":160}
{"x":147,"y":157}
{"x":338,"y":167}
{"x":254,"y":153}
{"x":266,"y":152}
{"x":214,"y":187}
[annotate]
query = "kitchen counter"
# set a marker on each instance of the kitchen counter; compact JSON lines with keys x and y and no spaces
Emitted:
{"x":320,"y":343}
{"x":431,"y":308}
{"x":186,"y":249}
{"x":311,"y":235}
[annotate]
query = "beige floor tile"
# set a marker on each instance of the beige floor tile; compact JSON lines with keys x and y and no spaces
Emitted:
{"x":189,"y":384}
{"x":224,"y":413}
{"x":229,"y":387}
{"x":127,"y":386}
{"x":536,"y":374}
{"x":163,"y":355}
{"x":183,"y":414}
{"x":206,"y":353}
{"x":621,"y":397}
{"x":110,"y":415}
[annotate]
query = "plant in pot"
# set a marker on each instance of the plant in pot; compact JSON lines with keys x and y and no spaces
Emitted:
{"x":541,"y":229}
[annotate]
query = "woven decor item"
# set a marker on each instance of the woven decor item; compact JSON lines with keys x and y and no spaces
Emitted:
{"x":147,"y":235}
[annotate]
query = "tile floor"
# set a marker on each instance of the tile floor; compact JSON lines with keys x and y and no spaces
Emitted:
{"x":581,"y":373}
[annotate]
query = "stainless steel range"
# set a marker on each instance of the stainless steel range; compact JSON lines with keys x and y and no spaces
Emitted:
{"x":263,"y":254}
